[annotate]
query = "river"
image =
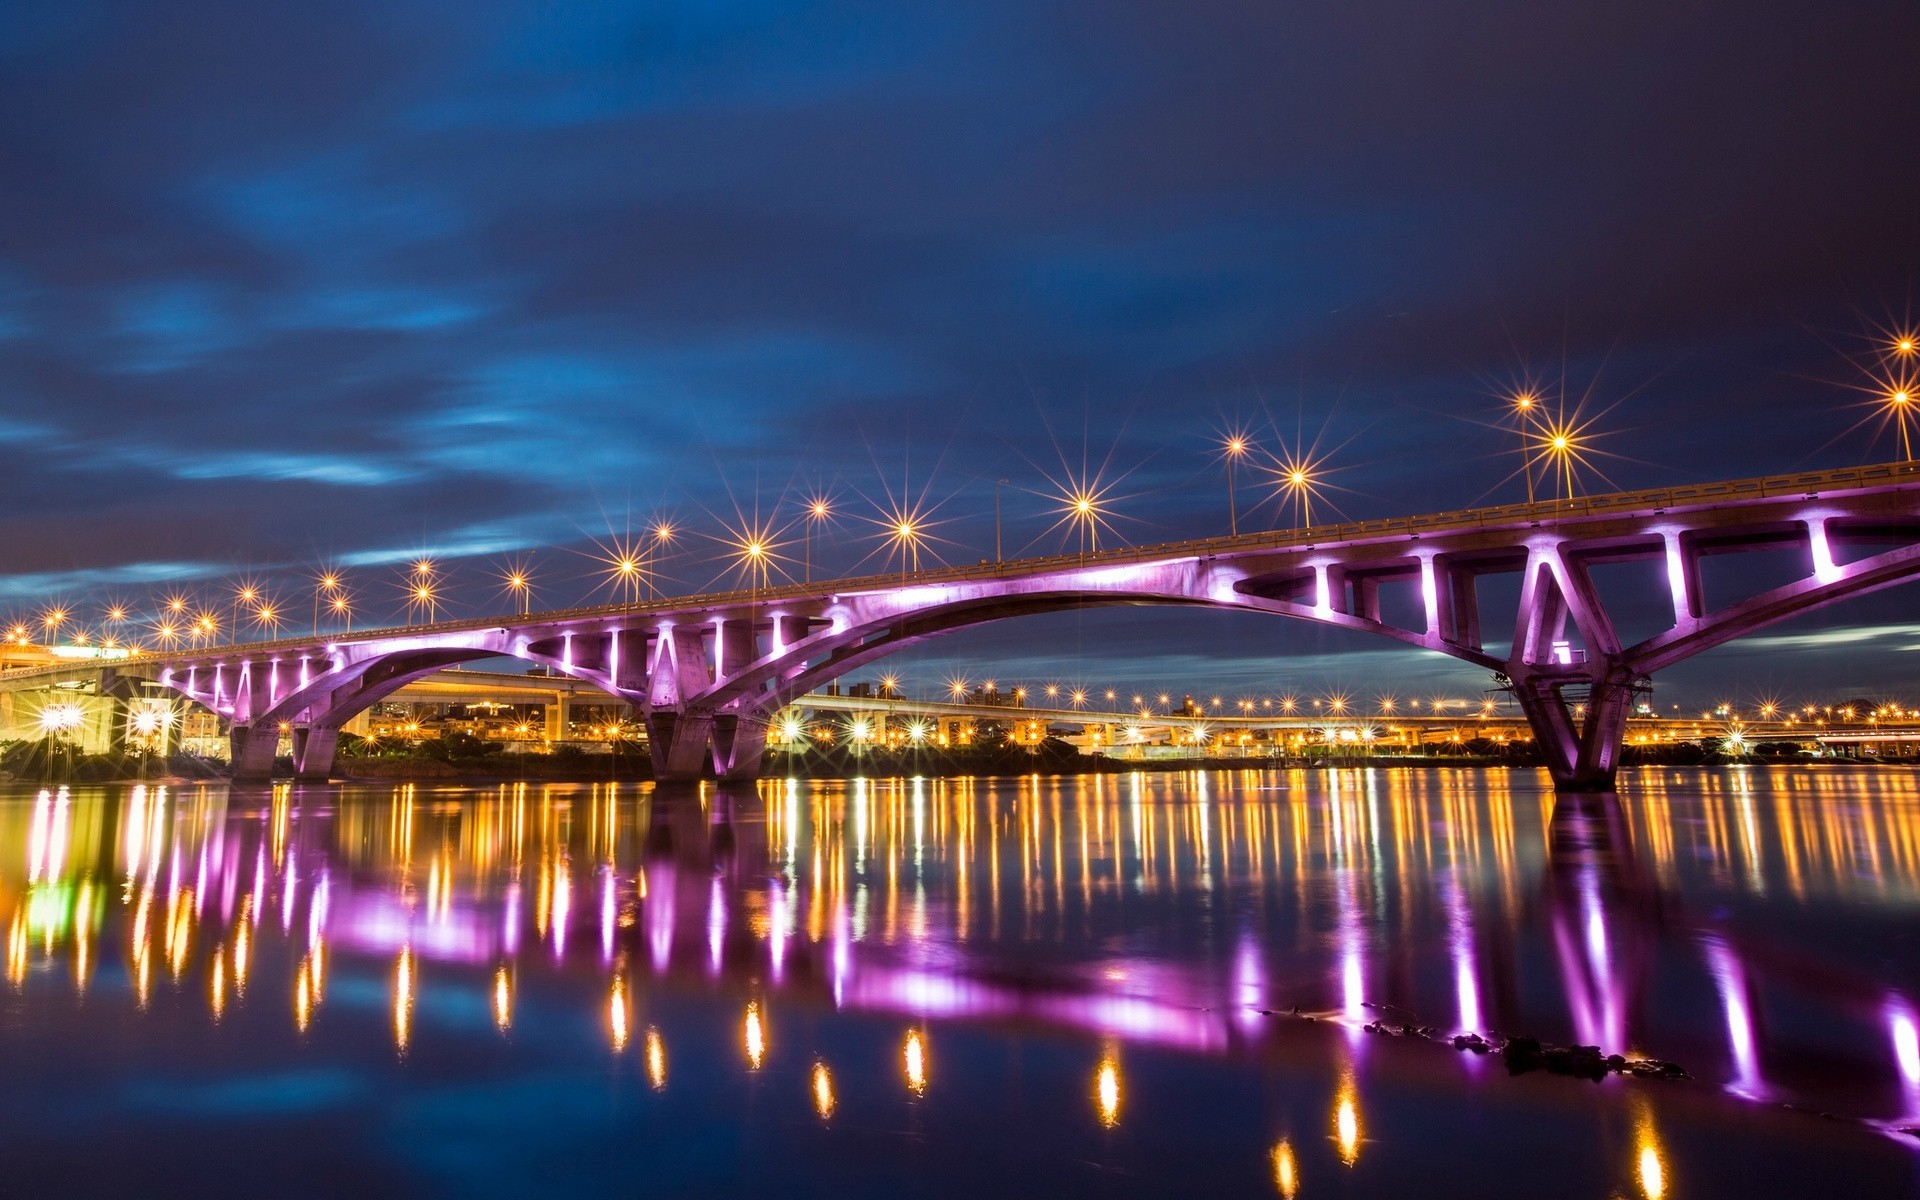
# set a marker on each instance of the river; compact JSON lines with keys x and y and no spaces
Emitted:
{"x":1132,"y":985}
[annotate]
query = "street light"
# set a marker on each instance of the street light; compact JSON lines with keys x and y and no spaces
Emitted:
{"x":421,"y":596}
{"x":997,"y":485}
{"x":1235,"y":447}
{"x":1298,"y":478}
{"x":517,"y":581}
{"x":660,"y":537}
{"x":1900,"y":402}
{"x":246,"y":594}
{"x":819,"y":511}
{"x":326,"y":584}
{"x":1523,"y":408}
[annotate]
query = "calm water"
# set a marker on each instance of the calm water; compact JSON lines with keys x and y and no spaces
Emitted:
{"x":956,"y":988}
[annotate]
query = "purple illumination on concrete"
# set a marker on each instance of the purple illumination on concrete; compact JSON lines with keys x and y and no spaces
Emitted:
{"x":708,"y":673}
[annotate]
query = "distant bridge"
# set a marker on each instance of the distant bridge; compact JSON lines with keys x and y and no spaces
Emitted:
{"x":708,"y":672}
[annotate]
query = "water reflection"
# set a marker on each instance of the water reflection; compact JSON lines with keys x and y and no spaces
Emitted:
{"x":656,"y":1059}
{"x":1106,"y":1088}
{"x":914,"y":1058}
{"x":822,"y":1090}
{"x":1346,"y":1121}
{"x":1188,"y":913}
{"x":1286,"y":1172}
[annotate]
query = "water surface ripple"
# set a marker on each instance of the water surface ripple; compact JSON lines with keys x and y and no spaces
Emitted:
{"x":1150,"y":984}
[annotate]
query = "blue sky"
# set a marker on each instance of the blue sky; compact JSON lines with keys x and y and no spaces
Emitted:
{"x":285,"y":284}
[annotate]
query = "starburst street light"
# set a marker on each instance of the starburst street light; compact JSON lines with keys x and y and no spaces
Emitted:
{"x":1082,"y":501}
{"x":341,"y":606}
{"x":248,"y":593}
{"x":819,"y":512}
{"x":424,"y":598}
{"x":1526,"y":405}
{"x":623,"y":565}
{"x":905,"y":530}
{"x":1297,"y":479}
{"x":516,"y":580}
{"x":1233,"y":448}
{"x":1901,"y":396}
{"x":657,"y":540}
{"x":1563,"y":448}
{"x":325,"y":584}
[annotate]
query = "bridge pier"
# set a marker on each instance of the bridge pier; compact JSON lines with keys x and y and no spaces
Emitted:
{"x":252,"y":749}
{"x":1582,"y":752}
{"x":739,"y":746}
{"x":679,"y":745}
{"x":313,"y":753}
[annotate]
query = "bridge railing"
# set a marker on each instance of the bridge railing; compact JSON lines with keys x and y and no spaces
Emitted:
{"x":1801,"y":484}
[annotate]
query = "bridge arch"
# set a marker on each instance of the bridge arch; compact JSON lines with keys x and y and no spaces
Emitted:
{"x":740,"y":707}
{"x":349,"y":679}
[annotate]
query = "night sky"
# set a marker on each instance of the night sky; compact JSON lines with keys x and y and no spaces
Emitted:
{"x":284,"y":284}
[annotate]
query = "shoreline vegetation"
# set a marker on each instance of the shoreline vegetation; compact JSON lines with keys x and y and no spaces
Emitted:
{"x":50,"y":762}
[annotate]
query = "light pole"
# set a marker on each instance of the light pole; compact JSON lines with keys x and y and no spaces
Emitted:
{"x":996,"y":518}
{"x":420,"y":589}
{"x":662,"y":538}
{"x":818,"y":510}
{"x":247,"y":593}
{"x":1523,"y":413}
{"x":327,"y":583}
{"x":520,"y":585}
{"x":1236,"y":447}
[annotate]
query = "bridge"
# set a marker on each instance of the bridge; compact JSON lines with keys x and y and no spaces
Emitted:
{"x":707,"y":673}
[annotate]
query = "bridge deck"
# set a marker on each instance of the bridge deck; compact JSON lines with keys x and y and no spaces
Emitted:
{"x":1696,"y":497}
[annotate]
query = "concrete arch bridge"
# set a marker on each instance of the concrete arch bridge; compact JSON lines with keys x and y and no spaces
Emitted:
{"x":706,"y":673}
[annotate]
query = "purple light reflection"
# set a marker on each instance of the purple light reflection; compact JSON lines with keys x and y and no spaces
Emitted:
{"x":1731,"y":981}
{"x":1906,"y":1050}
{"x":380,"y":924}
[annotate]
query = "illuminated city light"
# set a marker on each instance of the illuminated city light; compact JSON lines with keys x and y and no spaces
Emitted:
{"x":914,"y":1061}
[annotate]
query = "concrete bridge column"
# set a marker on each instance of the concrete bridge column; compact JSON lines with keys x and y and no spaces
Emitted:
{"x":313,"y":753}
{"x":559,"y":717}
{"x":739,"y":745}
{"x":1583,"y":754}
{"x":679,"y":744}
{"x":253,"y":749}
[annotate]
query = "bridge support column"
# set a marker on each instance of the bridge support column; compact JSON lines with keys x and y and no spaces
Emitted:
{"x":559,"y":714}
{"x":679,"y":743}
{"x":313,"y":753}
{"x":739,"y":745}
{"x":253,"y":748}
{"x":1581,"y":753}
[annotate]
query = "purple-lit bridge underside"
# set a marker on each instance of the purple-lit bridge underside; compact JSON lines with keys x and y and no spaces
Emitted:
{"x":706,"y":673}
